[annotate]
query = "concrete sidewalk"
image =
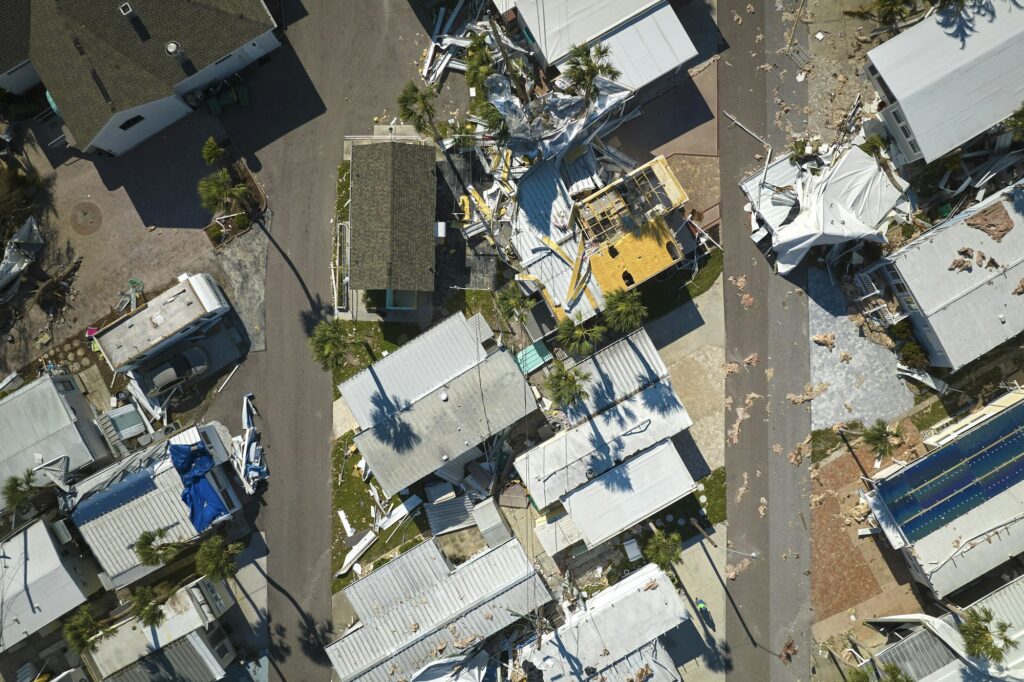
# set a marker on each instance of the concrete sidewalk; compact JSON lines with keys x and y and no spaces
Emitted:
{"x":702,"y":572}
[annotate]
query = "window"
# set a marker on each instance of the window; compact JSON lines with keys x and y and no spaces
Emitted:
{"x":222,"y":651}
{"x":913,"y":145}
{"x":898,"y":116}
{"x":906,"y":132}
{"x":132,"y":122}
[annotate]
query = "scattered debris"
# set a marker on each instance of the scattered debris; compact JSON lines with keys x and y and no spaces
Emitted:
{"x":752,"y":398}
{"x":810,"y":393}
{"x":993,"y":221}
{"x":652,"y":585}
{"x":992,"y":264}
{"x":769,"y":373}
{"x":731,"y":368}
{"x":734,"y":430}
{"x":814,"y":472}
{"x":979,"y":258}
{"x":739,"y":282}
{"x":966,"y":251}
{"x":827,"y":340}
{"x":848,"y":406}
{"x":736,"y":17}
{"x":743,"y":488}
{"x":803,"y":449}
{"x":777,"y":448}
{"x":750,"y":8}
{"x":789,"y":650}
{"x":1020,"y":288}
{"x":816,"y":500}
{"x":747,"y":301}
{"x":415,"y":627}
{"x":845,"y":357}
{"x":752,"y":360}
{"x":960,"y":264}
{"x":728,"y":403}
{"x":762,"y":507}
{"x":732,"y":571}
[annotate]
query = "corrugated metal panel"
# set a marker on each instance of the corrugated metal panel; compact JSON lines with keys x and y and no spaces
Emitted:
{"x":450,"y":515}
{"x":617,"y":371}
{"x":1007,"y":604}
{"x":398,"y":581}
{"x":491,"y":523}
{"x":481,"y":329}
{"x":919,"y":655}
{"x":629,"y":493}
{"x":36,"y":419}
{"x":543,"y":210}
{"x":580,"y":174}
{"x":416,"y":621}
{"x":188,"y":659}
{"x":649,"y":45}
{"x":572,"y":457}
{"x":950,"y":88}
{"x":556,"y":275}
{"x":445,"y":423}
{"x":393,"y":383}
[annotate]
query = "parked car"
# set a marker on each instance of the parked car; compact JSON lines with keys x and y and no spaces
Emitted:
{"x":178,"y":370}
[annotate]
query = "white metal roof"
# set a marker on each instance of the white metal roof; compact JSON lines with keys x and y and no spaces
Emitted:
{"x":37,"y":426}
{"x":617,"y":634}
{"x":557,"y":25}
{"x":37,"y":588}
{"x":415,"y":607}
{"x":617,"y":371}
{"x":394,"y":382}
{"x":953,"y":78}
{"x":973,"y":311}
{"x":649,"y":45}
{"x":572,"y":457}
{"x":626,"y":495}
{"x":447,"y":422}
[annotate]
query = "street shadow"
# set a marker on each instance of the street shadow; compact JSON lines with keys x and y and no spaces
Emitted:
{"x":697,"y":18}
{"x":286,"y":12}
{"x":315,"y":303}
{"x":692,"y":457}
{"x":313,"y":635}
{"x":161,"y":174}
{"x":309,"y":317}
{"x":684,"y":644}
{"x":426,"y":14}
{"x":283,"y":99}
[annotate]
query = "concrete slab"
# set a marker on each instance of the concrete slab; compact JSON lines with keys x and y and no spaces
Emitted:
{"x":244,"y":261}
{"x":701,"y":571}
{"x":866,"y":387}
{"x":342,"y":419}
{"x":249,"y":587}
{"x":96,"y":391}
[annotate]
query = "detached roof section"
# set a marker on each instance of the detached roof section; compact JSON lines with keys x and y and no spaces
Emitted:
{"x":974,"y":310}
{"x":393,"y":194}
{"x":36,"y":420}
{"x":956,"y":74}
{"x":417,"y":606}
{"x":95,"y":61}
{"x":37,"y":587}
{"x":617,"y":635}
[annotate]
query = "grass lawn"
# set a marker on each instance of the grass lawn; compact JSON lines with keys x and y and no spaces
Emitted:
{"x":351,"y":496}
{"x":714,"y":489}
{"x":473,"y":301}
{"x":340,"y":207}
{"x":662,"y":296}
{"x":824,"y":441}
{"x":930,"y":416}
{"x":369,"y":341}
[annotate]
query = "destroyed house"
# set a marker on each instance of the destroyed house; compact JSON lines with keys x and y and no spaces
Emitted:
{"x":645,"y":37}
{"x":189,"y":308}
{"x":428,"y":406}
{"x":955,"y":513}
{"x":418,"y":607}
{"x":119,"y":72}
{"x":575,"y":253}
{"x":950,"y":77}
{"x":43,"y":579}
{"x":188,"y":645}
{"x":616,"y":465}
{"x":616,"y":635}
{"x":393,"y":193}
{"x":961,"y":283}
{"x":48,"y":426}
{"x":147,"y":492}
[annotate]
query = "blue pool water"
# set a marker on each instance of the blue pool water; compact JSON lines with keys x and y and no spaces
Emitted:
{"x":953,"y":480}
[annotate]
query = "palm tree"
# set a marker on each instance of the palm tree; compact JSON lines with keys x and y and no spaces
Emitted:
{"x":216,"y":558}
{"x":152,"y":552}
{"x":1015,"y":124}
{"x":585,"y":65}
{"x":577,"y":338}
{"x":879,"y":437}
{"x":513,"y":304}
{"x":416,"y":105}
{"x":984,"y":638}
{"x":217,"y":189}
{"x":892,"y":11}
{"x":212,"y":152}
{"x":146,"y":603}
{"x":479,"y":63}
{"x":18,"y":491}
{"x":329,"y":341}
{"x":663,"y":548}
{"x":494,"y":121}
{"x":565,"y":385}
{"x":624,"y":311}
{"x":83,"y":632}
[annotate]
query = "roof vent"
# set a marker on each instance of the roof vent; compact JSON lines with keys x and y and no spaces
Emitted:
{"x":125,"y":8}
{"x":173,"y":48}
{"x":444,"y":396}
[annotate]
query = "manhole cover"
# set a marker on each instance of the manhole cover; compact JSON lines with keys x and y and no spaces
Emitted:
{"x":86,"y":218}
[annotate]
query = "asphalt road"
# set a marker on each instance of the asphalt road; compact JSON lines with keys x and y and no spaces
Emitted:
{"x":767,"y":495}
{"x":343,"y":63}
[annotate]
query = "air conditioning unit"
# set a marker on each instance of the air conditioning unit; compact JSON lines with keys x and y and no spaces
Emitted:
{"x":61,"y":531}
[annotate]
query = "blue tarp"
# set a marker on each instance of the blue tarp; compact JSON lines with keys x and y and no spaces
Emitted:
{"x":192,"y":463}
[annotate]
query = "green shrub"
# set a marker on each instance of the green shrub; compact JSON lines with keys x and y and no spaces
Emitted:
{"x":907,"y":230}
{"x":874,"y":146}
{"x":215,"y":232}
{"x":913,"y":355}
{"x":902,"y":331}
{"x":243,"y":222}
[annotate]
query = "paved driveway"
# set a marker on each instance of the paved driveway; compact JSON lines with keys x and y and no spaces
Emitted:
{"x":343,"y":64}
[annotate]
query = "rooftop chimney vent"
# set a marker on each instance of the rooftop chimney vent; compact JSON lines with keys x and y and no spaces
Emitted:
{"x":125,"y":8}
{"x":173,"y":48}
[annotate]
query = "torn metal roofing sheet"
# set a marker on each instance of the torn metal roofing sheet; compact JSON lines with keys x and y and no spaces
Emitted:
{"x":649,"y":45}
{"x":574,"y":456}
{"x":957,"y":73}
{"x":450,"y":515}
{"x":411,"y":615}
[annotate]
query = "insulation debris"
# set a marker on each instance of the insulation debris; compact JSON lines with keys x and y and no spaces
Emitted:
{"x":751,"y":399}
{"x":752,"y":360}
{"x":845,"y":357}
{"x":734,"y":430}
{"x":747,"y":301}
{"x":1020,"y":288}
{"x":739,"y":282}
{"x":826,"y":340}
{"x":769,"y":373}
{"x":731,"y":368}
{"x":993,"y":221}
{"x":743,"y":488}
{"x":810,"y":393}
{"x":733,"y":570}
{"x":762,"y":507}
{"x":966,"y":251}
{"x":960,"y":264}
{"x":652,"y":585}
{"x":736,"y":17}
{"x":777,"y":448}
{"x":803,"y":449}
{"x":979,"y":258}
{"x":728,"y":403}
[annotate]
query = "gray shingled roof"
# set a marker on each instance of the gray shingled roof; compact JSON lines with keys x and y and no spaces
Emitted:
{"x":393,"y":191}
{"x":184,"y":660}
{"x":14,"y":17}
{"x":446,"y":422}
{"x":122,"y":62}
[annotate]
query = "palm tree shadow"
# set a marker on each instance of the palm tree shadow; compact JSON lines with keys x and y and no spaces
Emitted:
{"x":389,"y":427}
{"x":960,"y":23}
{"x":311,"y":316}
